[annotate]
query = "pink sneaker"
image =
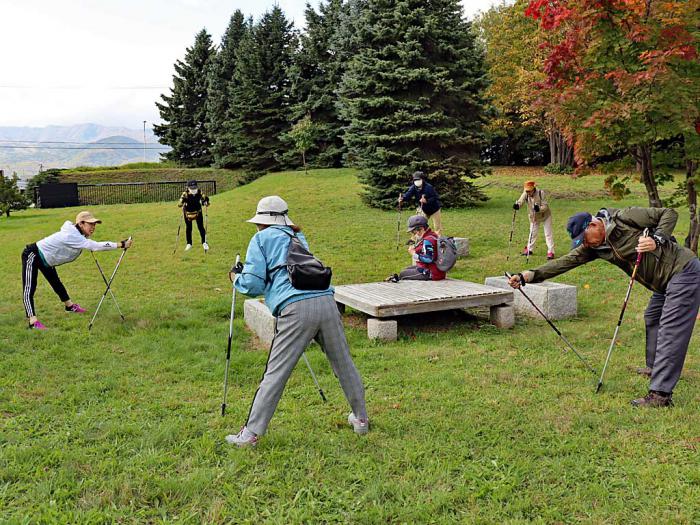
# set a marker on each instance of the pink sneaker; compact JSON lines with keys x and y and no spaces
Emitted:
{"x":550,"y":256}
{"x":37,"y":326}
{"x":75,"y":308}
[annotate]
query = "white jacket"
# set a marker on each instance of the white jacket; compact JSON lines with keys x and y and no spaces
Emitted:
{"x":66,"y":245}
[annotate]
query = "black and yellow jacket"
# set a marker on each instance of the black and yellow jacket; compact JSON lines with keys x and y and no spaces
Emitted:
{"x":193,"y":202}
{"x":623,"y":229}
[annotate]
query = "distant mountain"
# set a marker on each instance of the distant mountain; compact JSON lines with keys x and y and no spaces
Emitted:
{"x":79,"y":146}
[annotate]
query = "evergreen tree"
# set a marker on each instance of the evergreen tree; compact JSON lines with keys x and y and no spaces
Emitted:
{"x":413,"y":96}
{"x":260,"y":108}
{"x":220,"y":87}
{"x":316,"y":74}
{"x":184,"y":110}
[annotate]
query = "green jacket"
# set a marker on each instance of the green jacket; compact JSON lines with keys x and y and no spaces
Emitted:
{"x":623,"y":231}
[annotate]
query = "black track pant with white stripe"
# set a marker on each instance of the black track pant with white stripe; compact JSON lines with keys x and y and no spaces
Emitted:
{"x":31,"y":265}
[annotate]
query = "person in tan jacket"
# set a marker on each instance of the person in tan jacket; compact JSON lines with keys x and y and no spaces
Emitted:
{"x":538,"y":213}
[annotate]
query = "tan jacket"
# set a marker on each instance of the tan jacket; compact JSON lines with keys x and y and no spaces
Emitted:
{"x":539,"y":199}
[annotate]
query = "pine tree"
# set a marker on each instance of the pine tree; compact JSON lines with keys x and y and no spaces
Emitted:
{"x":220,"y":87}
{"x":316,"y":74}
{"x":260,"y":109}
{"x":184,"y":110}
{"x":413,"y":96}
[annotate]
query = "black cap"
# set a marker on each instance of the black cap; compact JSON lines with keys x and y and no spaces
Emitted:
{"x":576,"y":226}
{"x":418,"y":175}
{"x":192,"y":184}
{"x":416,"y":221}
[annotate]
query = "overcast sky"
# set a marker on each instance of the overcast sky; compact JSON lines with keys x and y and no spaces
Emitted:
{"x":75,"y":61}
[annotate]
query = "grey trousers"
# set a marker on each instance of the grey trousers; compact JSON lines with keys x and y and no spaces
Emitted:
{"x":414,"y":273}
{"x":297,"y":325}
{"x":670,"y":319}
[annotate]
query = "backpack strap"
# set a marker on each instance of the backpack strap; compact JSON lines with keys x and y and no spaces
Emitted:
{"x":272,"y":271}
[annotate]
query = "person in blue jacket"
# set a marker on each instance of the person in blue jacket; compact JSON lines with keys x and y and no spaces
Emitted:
{"x":300,"y":317}
{"x":426,"y":198}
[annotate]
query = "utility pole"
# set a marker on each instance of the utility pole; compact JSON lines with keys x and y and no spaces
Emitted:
{"x":144,"y":141}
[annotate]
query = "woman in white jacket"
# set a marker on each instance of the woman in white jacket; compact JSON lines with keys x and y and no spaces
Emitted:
{"x":59,"y":248}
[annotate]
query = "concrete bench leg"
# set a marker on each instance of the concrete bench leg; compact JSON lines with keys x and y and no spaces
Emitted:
{"x":341,"y":307}
{"x":384,"y":330}
{"x":502,"y":316}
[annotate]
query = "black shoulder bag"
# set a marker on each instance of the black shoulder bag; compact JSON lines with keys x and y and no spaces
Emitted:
{"x":305,"y":271}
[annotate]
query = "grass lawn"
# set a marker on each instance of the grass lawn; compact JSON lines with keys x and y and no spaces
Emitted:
{"x":469,"y":424}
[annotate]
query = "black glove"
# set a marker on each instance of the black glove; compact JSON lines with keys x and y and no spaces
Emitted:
{"x":536,"y":207}
{"x":522,"y":279}
{"x":660,"y":238}
{"x":237,"y":268}
{"x":516,"y":206}
{"x":123,"y":243}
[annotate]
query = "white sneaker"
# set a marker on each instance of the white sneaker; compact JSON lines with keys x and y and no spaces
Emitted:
{"x":188,"y":247}
{"x":360,"y":426}
{"x":245,"y":438}
{"x":205,"y":246}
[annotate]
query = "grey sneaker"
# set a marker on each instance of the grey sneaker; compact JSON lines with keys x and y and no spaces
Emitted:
{"x":245,"y":438}
{"x":360,"y":426}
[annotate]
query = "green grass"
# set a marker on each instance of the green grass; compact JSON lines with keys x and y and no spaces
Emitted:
{"x":469,"y":424}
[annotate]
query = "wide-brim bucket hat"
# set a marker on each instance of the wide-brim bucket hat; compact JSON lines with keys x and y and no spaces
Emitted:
{"x":272,"y":210}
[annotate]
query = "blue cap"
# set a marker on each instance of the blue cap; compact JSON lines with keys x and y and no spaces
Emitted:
{"x":576,"y":226}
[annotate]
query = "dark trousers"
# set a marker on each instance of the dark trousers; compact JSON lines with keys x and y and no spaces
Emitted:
{"x":200,"y":227}
{"x":670,"y":318}
{"x":31,"y":265}
{"x":414,"y":273}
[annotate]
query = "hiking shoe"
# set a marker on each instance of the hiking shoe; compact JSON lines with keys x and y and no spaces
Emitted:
{"x":654,"y":400}
{"x":392,"y":278}
{"x":643,"y":371}
{"x":245,"y":438}
{"x":188,"y":247}
{"x":205,"y":246}
{"x":75,"y":308}
{"x":360,"y":426}
{"x":37,"y":326}
{"x":550,"y":256}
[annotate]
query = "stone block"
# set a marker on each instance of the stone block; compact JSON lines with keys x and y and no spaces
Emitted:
{"x":462,"y":246}
{"x":385,"y":330}
{"x":259,"y":320}
{"x":556,"y":300}
{"x":502,"y":316}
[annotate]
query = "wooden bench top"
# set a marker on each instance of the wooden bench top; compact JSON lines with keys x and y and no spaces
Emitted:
{"x":412,"y":297}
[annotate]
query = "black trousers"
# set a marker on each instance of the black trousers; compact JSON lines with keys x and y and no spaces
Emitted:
{"x":200,"y":227}
{"x":31,"y":265}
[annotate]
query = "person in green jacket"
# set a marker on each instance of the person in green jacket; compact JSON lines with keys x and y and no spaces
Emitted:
{"x":670,"y":271}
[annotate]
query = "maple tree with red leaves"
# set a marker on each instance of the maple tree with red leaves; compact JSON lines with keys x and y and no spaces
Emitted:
{"x":624,"y":75}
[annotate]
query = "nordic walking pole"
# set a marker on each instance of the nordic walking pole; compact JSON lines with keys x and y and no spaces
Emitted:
{"x":398,"y":229}
{"x":104,"y":278}
{"x":306,"y":359}
{"x":109,"y":286}
{"x":561,"y":336}
{"x":527,"y":248}
{"x":230,"y":336}
{"x":206,"y":225}
{"x":177,"y":239}
{"x":622,"y":314}
{"x":510,"y":240}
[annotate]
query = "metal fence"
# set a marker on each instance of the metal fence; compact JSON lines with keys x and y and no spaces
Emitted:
{"x":133,"y":192}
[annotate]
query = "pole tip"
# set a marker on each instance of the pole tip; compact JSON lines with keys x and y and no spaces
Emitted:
{"x":600,"y":385}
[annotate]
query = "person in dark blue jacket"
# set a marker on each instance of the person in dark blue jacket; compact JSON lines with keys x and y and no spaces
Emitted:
{"x":426,"y":198}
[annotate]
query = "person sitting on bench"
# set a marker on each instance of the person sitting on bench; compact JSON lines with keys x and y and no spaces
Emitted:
{"x":423,"y":247}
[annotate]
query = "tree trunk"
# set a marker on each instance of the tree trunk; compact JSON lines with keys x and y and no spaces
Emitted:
{"x":694,"y":229}
{"x":560,"y":152}
{"x":647,"y":175}
{"x":303,"y":159}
